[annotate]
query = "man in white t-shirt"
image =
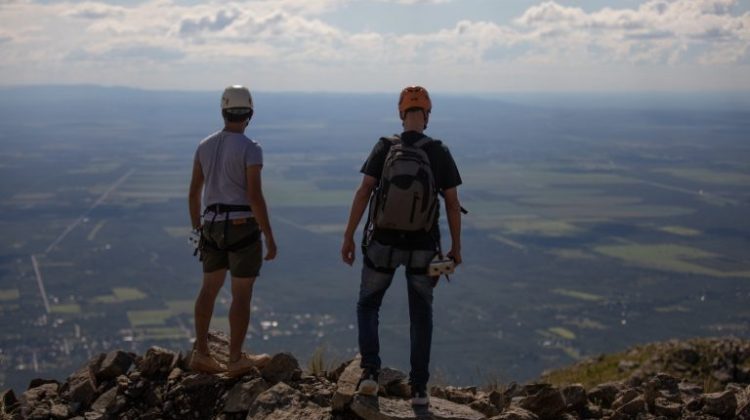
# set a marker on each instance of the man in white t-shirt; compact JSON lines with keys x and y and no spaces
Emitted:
{"x":226,"y":172}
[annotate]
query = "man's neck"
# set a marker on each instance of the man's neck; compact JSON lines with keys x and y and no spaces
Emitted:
{"x":234,"y":129}
{"x":413,"y":127}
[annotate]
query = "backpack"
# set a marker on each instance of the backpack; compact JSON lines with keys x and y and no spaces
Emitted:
{"x":406,"y":198}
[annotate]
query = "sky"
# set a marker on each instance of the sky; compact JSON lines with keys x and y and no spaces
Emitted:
{"x":461,"y":46}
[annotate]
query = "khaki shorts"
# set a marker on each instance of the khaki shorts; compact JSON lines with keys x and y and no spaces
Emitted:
{"x":243,"y":262}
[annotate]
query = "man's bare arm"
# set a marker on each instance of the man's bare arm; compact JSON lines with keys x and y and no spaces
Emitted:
{"x":194,"y":195}
{"x":453,"y":214}
{"x":260,"y":211}
{"x":359,"y":204}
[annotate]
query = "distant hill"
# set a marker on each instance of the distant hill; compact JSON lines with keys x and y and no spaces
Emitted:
{"x":667,"y":380}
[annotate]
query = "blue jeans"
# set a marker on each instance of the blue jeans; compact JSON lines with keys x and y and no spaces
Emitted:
{"x":375,"y":281}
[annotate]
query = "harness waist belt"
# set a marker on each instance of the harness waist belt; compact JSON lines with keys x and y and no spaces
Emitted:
{"x":227,"y":208}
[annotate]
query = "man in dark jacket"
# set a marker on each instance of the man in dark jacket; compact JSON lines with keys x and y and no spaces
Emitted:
{"x":386,"y":249}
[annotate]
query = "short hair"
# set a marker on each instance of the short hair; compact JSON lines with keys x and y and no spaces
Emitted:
{"x":237,"y":114}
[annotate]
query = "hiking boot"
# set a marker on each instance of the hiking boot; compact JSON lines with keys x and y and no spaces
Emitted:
{"x":246,"y":363}
{"x":419,"y":396}
{"x":368,"y":383}
{"x":203,"y":363}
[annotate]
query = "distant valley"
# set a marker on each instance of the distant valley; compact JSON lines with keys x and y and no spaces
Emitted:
{"x":596,"y":223}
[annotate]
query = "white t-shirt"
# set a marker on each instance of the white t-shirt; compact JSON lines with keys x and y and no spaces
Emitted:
{"x":224,"y":157}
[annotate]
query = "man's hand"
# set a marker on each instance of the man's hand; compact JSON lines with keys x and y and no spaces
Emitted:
{"x":348,"y":251}
{"x":270,"y":249}
{"x":455,"y":254}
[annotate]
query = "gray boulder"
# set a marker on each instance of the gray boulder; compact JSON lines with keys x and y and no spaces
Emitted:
{"x":157,"y":362}
{"x":720,"y":404}
{"x":243,"y":394}
{"x":516,"y":413}
{"x":283,"y":367}
{"x":114,"y":364}
{"x":282,"y":402}
{"x":544,"y":400}
{"x":346,"y":386}
{"x":372,"y":408}
{"x":604,"y":394}
{"x":574,"y":396}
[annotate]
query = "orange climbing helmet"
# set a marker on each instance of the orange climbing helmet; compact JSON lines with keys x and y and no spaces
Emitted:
{"x":414,"y":97}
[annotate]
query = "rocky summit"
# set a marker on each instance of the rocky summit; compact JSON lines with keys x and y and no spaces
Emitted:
{"x":159,"y":385}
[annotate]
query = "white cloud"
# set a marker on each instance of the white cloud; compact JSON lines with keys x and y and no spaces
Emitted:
{"x":415,"y":1}
{"x":282,"y":40}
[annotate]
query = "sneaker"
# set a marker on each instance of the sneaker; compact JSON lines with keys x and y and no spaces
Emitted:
{"x":203,"y":363}
{"x":368,"y":383}
{"x":419,"y":396}
{"x":246,"y":363}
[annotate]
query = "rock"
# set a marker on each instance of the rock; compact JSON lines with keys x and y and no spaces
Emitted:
{"x":689,"y":390}
{"x":282,"y":402}
{"x":633,"y":407}
{"x":106,"y":401}
{"x":485,"y":407}
{"x":8,"y":401}
{"x":544,"y":400}
{"x":604,"y":394}
{"x":371,"y":408}
{"x":720,"y":404}
{"x":243,"y":394}
{"x":667,"y":408}
{"x":39,"y":382}
{"x":277,"y":395}
{"x":175,"y":374}
{"x":516,"y":413}
{"x":81,"y":386}
{"x":157,"y":362}
{"x":199,"y":382}
{"x":392,"y":382}
{"x":592,"y":411}
{"x":460,"y":395}
{"x":662,"y":386}
{"x":624,"y":397}
{"x":34,"y":402}
{"x":743,"y":413}
{"x":346,"y":386}
{"x":114,"y":364}
{"x":283,"y":367}
{"x":688,"y":355}
{"x":93,"y":415}
{"x":498,"y":400}
{"x":59,"y":411}
{"x":574,"y":396}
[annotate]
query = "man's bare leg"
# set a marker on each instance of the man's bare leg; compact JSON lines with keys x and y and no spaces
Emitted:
{"x":239,"y":314}
{"x":204,"y":307}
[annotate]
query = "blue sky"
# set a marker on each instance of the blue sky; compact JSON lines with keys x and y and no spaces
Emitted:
{"x":462,"y":46}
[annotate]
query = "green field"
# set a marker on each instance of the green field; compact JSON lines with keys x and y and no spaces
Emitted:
{"x":667,"y":257}
{"x":120,"y":294}
{"x":680,"y":230}
{"x":9,"y":294}
{"x":148,"y":317}
{"x":66,"y":309}
{"x":589,"y":297}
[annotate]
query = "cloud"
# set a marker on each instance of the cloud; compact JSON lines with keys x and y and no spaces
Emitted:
{"x":127,"y":53}
{"x":658,"y":31}
{"x":219,"y":21}
{"x":90,"y":10}
{"x":297,"y":37}
{"x":410,"y":2}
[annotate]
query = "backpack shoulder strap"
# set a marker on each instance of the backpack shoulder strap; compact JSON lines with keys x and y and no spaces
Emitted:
{"x":394,"y":139}
{"x":423,"y":142}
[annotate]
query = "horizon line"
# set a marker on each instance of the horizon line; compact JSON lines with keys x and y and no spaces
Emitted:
{"x":732,"y":92}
